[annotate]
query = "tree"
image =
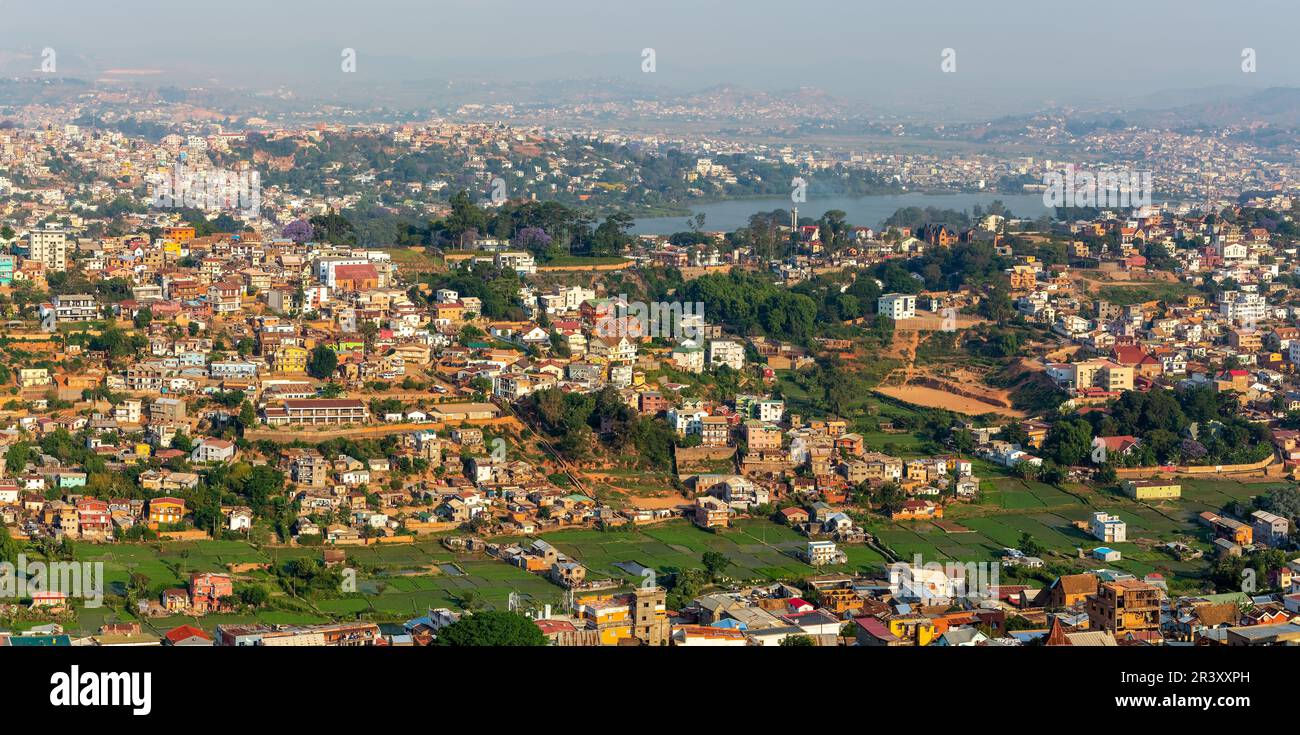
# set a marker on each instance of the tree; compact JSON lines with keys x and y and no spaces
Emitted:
{"x":797,"y":640}
{"x":143,"y":317}
{"x":492,"y":628}
{"x":17,"y":457}
{"x":1029,"y":545}
{"x":299,"y":231}
{"x":996,"y":306}
{"x":247,"y":415}
{"x":1283,"y":501}
{"x":8,"y":546}
{"x":611,"y":236}
{"x":716,"y":562}
{"x":137,"y":586}
{"x":1106,"y":474}
{"x":333,"y":228}
{"x":471,"y":601}
{"x":322,"y":362}
{"x":1069,"y":442}
{"x":466,"y":218}
{"x":534,"y":239}
{"x":254,"y":595}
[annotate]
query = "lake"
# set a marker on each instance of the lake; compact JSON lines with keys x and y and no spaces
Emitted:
{"x":865,"y":211}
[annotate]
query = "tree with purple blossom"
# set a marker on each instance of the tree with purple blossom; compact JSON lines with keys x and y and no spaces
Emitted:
{"x":532,"y":238}
{"x":1190,"y":449}
{"x":299,"y":230}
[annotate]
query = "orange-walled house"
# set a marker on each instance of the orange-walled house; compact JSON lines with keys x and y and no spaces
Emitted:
{"x":166,"y":510}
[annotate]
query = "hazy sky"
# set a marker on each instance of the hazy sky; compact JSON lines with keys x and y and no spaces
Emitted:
{"x":1009,"y":53}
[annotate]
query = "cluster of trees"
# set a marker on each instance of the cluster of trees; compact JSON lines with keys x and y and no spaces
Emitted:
{"x":322,"y":362}
{"x":913,"y":217}
{"x":752,"y":304}
{"x":1230,"y":572}
{"x":547,"y":229}
{"x":496,"y":288}
{"x":110,"y":290}
{"x":260,"y":487}
{"x":1284,"y":502}
{"x":308,"y":575}
{"x":113,"y":341}
{"x":1163,"y":421}
{"x":841,"y":297}
{"x":582,"y":422}
{"x":684,"y":585}
{"x":492,"y":628}
{"x":971,"y":264}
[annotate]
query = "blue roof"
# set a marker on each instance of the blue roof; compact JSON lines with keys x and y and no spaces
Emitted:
{"x":730,"y":623}
{"x":1026,"y":636}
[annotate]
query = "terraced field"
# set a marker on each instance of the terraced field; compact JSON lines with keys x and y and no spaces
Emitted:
{"x":758,"y":549}
{"x":394,"y":582}
{"x":402,"y":581}
{"x":1011,"y":506}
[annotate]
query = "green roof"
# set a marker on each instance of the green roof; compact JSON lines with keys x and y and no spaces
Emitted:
{"x":40,"y":640}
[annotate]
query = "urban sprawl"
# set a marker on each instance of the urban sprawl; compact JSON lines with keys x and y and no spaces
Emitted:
{"x":425,"y":384}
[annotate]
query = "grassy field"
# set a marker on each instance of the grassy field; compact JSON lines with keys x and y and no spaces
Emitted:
{"x":1124,"y":295}
{"x":758,"y":549}
{"x":1010,"y":506}
{"x":583,"y":260}
{"x":394,"y":582}
{"x":402,"y":581}
{"x":412,"y":261}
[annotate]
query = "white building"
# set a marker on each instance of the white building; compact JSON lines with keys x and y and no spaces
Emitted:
{"x":1108,"y":528}
{"x":771,"y":411}
{"x":1242,"y":307}
{"x":820,"y":553}
{"x":519,"y":261}
{"x":726,"y":352}
{"x":896,"y":305}
{"x":49,"y":246}
{"x":213,"y":450}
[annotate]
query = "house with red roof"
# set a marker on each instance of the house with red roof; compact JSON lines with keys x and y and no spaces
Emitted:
{"x":361,"y":277}
{"x":1143,"y":363}
{"x":798,"y":605}
{"x":186,"y":635}
{"x":794,"y":516}
{"x":871,"y":632}
{"x":1120,"y":445}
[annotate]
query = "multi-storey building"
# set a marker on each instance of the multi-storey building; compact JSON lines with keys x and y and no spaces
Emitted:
{"x":726,"y":352}
{"x":48,"y":246}
{"x":896,"y":305}
{"x":1124,"y":605}
{"x":1108,"y":528}
{"x":313,"y":411}
{"x":75,"y":307}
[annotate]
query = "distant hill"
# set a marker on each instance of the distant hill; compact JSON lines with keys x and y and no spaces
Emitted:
{"x":1279,"y":106}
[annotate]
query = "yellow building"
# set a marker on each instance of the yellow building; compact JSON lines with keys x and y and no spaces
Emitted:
{"x":612,"y":616}
{"x":166,"y":510}
{"x":1104,"y":374}
{"x":289,"y":359}
{"x":1152,"y":489}
{"x":919,"y":630}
